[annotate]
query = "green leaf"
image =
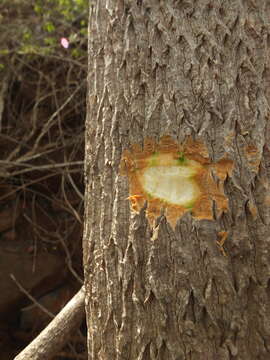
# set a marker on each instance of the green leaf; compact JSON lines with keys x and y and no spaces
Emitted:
{"x":75,"y":53}
{"x":50,"y":41}
{"x":48,"y":26}
{"x":38,"y":9}
{"x":4,"y":52}
{"x":27,"y":35}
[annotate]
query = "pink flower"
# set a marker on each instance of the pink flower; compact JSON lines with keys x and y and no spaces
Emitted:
{"x":64,"y":43}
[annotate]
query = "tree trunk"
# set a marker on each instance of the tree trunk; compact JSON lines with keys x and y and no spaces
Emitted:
{"x":156,"y":288}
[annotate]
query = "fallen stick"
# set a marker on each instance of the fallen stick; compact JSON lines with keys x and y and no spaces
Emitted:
{"x":56,"y":334}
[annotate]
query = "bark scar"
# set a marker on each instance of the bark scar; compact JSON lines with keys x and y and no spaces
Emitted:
{"x":175,"y":178}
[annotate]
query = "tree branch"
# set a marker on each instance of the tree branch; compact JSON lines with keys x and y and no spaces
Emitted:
{"x":55,"y":335}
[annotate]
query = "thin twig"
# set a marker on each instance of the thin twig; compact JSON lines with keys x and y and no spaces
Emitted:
{"x":39,"y":167}
{"x":51,"y":315}
{"x":2,"y":98}
{"x":49,"y":123}
{"x":69,"y":260}
{"x":24,"y":186}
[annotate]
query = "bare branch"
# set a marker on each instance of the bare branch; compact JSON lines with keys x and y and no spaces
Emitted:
{"x":56,"y":334}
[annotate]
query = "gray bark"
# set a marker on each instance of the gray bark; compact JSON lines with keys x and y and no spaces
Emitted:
{"x":178,"y":68}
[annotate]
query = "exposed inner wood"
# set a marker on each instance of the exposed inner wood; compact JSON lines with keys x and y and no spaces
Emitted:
{"x":173,"y":184}
{"x":174,"y":179}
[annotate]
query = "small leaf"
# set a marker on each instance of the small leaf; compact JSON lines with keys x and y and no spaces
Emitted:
{"x":49,"y":27}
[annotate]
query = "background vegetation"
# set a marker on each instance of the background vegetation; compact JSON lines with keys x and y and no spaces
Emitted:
{"x":42,"y":113}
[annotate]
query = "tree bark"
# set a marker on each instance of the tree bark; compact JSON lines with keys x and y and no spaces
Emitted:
{"x":196,"y":69}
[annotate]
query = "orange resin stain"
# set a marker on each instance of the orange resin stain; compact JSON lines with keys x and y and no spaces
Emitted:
{"x":174,"y":179}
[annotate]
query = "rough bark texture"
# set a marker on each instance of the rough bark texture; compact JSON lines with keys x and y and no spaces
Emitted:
{"x":179,"y":68}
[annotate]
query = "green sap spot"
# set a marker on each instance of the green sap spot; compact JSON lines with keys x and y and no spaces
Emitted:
{"x":154,"y":159}
{"x":149,"y":196}
{"x":189,"y":205}
{"x":181,"y":160}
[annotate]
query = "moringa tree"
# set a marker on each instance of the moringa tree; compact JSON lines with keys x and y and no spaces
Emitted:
{"x":177,"y":222}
